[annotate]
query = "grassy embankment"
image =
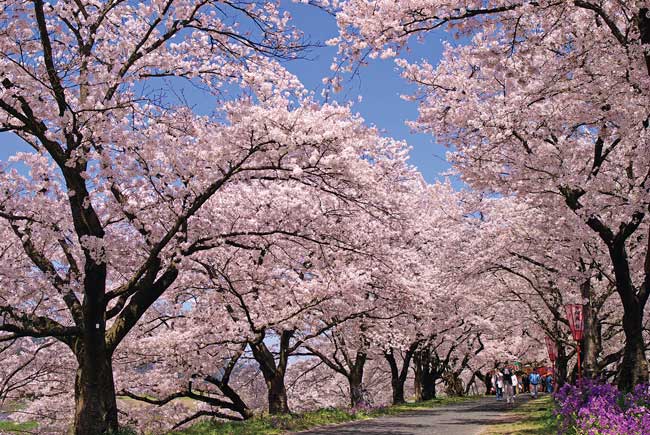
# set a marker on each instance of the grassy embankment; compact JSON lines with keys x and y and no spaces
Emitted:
{"x":534,"y":417}
{"x":275,"y":425}
{"x":11,"y":427}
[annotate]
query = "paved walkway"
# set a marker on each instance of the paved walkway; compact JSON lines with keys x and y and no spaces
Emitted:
{"x":468,"y":418}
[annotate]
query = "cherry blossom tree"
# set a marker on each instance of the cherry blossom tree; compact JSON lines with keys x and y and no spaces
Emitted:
{"x":196,"y":238}
{"x":111,"y":203}
{"x":557,"y":264}
{"x":288,"y":273}
{"x":546,"y":101}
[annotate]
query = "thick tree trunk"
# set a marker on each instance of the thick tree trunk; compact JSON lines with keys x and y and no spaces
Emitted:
{"x":487,"y":380}
{"x":357,"y":396}
{"x":428,"y":388}
{"x":274,"y":373}
{"x":634,"y":368}
{"x":397,"y":379}
{"x":355,"y":379}
{"x":591,"y":343}
{"x":425,"y":378}
{"x":95,"y":403}
{"x":277,"y":394}
{"x":561,"y":366}
{"x":417,"y":378}
{"x":398,"y":390}
{"x":397,"y":376}
{"x":453,"y":384}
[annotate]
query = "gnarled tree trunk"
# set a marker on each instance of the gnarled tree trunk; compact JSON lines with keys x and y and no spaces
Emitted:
{"x":274,"y":373}
{"x":425,"y":377}
{"x":397,"y":376}
{"x":634,"y":368}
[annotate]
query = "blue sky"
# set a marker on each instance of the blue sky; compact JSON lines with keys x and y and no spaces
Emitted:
{"x":379,"y":85}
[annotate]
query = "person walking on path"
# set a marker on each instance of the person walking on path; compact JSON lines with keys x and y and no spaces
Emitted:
{"x":535,"y":379}
{"x":508,"y":387}
{"x":526,"y":382}
{"x":498,"y":384}
{"x":549,"y":383}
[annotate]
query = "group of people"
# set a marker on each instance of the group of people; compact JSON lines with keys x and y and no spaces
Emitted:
{"x":506,"y":384}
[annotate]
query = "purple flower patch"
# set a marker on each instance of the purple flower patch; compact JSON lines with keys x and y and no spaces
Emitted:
{"x":596,"y":408}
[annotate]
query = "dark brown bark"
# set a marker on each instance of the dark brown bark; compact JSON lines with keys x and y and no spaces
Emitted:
{"x":223,"y":383}
{"x":634,"y":367}
{"x":355,"y":384}
{"x":396,"y":382}
{"x":238,"y":403}
{"x":417,"y":379}
{"x":95,"y":403}
{"x":487,"y":380}
{"x":425,"y":376}
{"x":235,"y":402}
{"x":277,"y":394}
{"x":355,"y":380}
{"x":453,"y":384}
{"x":397,"y":375}
{"x":274,"y":372}
{"x":397,"y":386}
{"x":643,"y":22}
{"x":561,"y":366}
{"x":428,"y":388}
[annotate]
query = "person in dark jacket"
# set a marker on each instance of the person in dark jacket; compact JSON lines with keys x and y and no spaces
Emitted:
{"x":526,"y":382}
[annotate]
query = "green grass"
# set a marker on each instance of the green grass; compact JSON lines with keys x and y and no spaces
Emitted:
{"x":280,"y":424}
{"x":532,"y":418}
{"x":11,"y":427}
